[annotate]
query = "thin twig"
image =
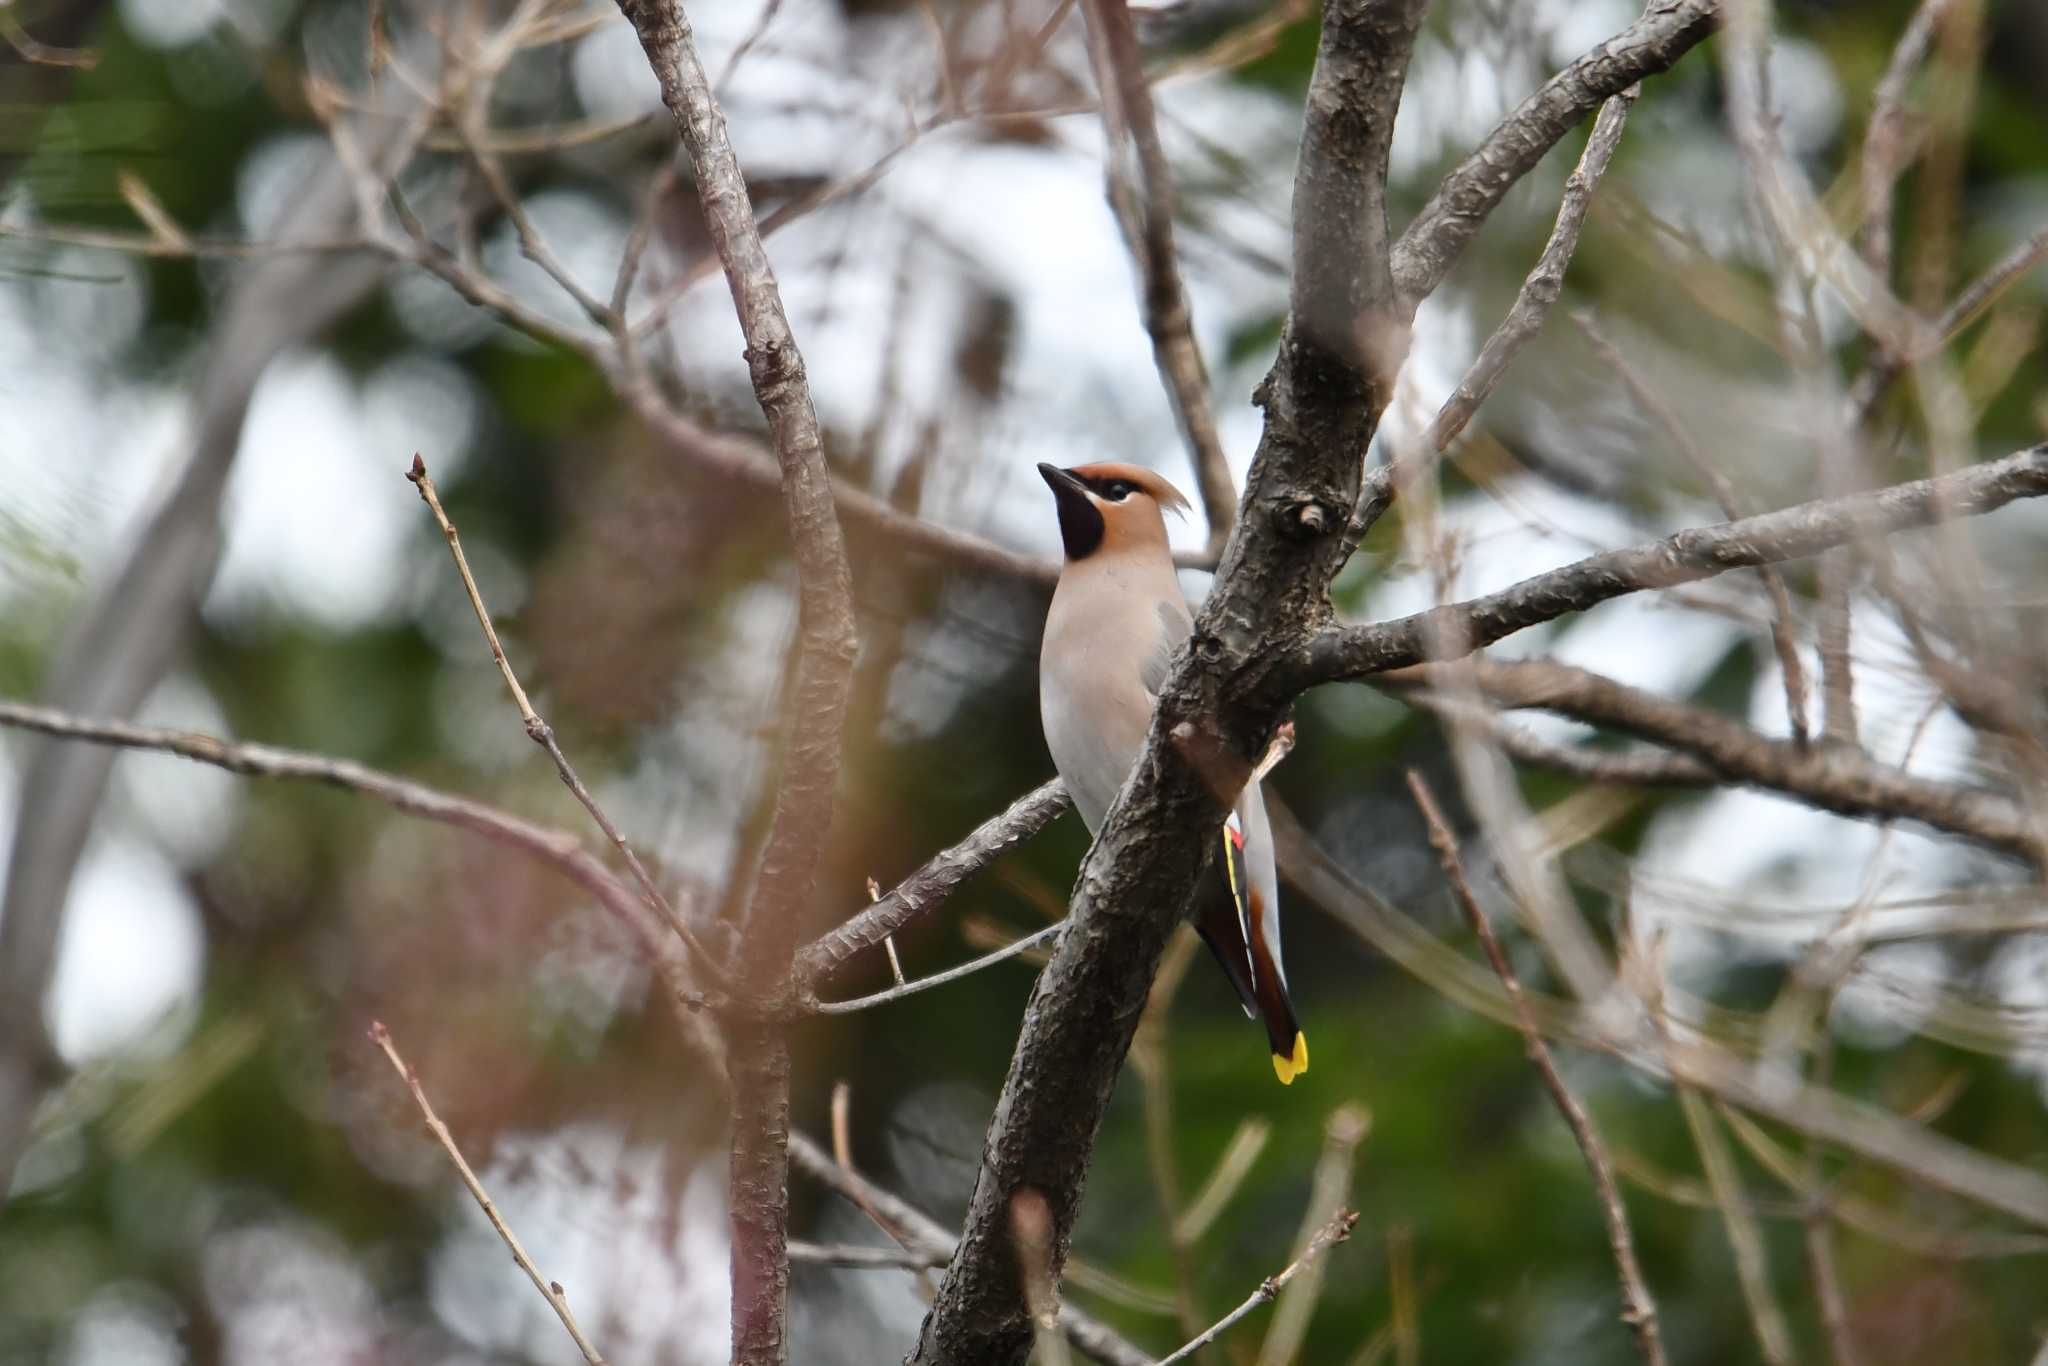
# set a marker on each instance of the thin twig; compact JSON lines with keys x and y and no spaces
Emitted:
{"x":1329,"y":1194}
{"x":924,"y":890}
{"x":550,"y":1290}
{"x":862,"y":1257}
{"x":1439,"y":234}
{"x":1639,"y":1310}
{"x":1884,"y":138}
{"x":557,"y":847}
{"x":542,"y":734}
{"x":1239,"y":1156}
{"x":939,"y":979}
{"x":1734,"y":505}
{"x":922,"y":1235}
{"x":1539,"y":292}
{"x":1332,"y":1233}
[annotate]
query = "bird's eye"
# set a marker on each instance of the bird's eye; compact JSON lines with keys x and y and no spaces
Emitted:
{"x":1116,"y":490}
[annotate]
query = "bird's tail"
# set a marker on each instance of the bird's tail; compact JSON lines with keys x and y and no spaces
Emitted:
{"x":1236,"y":929}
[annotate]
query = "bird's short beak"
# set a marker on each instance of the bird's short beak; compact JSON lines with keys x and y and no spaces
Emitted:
{"x":1062,"y":484}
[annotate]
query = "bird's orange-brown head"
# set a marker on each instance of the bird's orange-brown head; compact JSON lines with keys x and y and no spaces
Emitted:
{"x":1109,"y":506}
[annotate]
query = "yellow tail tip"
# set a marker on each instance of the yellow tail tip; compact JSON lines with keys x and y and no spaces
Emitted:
{"x":1287,"y":1069}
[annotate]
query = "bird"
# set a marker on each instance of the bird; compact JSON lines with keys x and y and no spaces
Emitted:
{"x":1117,"y":617}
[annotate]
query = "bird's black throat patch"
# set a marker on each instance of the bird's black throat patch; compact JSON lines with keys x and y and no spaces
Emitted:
{"x":1081,"y":525}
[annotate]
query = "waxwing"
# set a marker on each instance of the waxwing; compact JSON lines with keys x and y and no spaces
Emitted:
{"x":1117,"y":617}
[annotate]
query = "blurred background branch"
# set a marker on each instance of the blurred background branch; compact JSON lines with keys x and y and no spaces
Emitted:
{"x":1788,"y":960}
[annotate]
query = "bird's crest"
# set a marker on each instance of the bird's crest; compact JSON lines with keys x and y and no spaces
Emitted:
{"x":1150,"y":481}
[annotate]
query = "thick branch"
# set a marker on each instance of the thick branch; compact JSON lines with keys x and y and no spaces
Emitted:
{"x":1454,"y":214}
{"x":803,"y":807}
{"x":911,"y":899}
{"x":1700,"y":553}
{"x":758,"y":1184}
{"x":1339,"y":349}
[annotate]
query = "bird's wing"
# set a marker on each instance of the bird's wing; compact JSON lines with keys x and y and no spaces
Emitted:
{"x":1175,"y":626}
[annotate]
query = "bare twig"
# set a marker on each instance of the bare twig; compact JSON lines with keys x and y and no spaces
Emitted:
{"x":43,"y":54}
{"x":556,"y":847}
{"x":1545,"y":281}
{"x":1827,"y":1290}
{"x":925,"y":1237}
{"x":863,"y":1257}
{"x":1332,"y":1233}
{"x":1225,"y":1178}
{"x":1329,"y":1194}
{"x":1404,"y":1324}
{"x":1884,"y":138}
{"x":1639,"y":1310}
{"x":550,"y":1290}
{"x":1533,"y":302}
{"x":542,"y":734}
{"x":939,"y":979}
{"x":1734,"y":505}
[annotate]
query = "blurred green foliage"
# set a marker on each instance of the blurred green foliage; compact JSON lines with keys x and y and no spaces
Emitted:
{"x":322,"y":912}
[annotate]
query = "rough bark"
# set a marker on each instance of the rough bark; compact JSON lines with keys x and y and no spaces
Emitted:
{"x":1338,"y":353}
{"x":817,"y":704}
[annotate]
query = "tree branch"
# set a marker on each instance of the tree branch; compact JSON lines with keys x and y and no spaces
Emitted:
{"x":939,"y":979}
{"x":551,"y":1291}
{"x":1833,"y":778}
{"x":1148,"y":230}
{"x":564,"y":851}
{"x":1699,"y":553}
{"x":1533,"y":302}
{"x":543,"y":734}
{"x":1336,"y":1231}
{"x":1454,"y":214}
{"x":922,"y":892}
{"x":759,"y":1184}
{"x":1340,"y":347}
{"x":926,"y":1239}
